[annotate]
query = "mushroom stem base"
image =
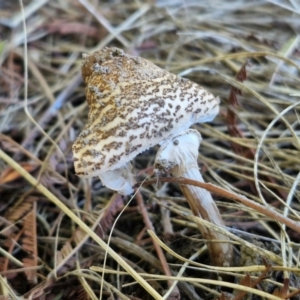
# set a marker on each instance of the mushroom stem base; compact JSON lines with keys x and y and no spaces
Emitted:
{"x":203,"y":206}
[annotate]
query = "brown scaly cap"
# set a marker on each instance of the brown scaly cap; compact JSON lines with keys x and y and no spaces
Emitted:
{"x":133,"y":105}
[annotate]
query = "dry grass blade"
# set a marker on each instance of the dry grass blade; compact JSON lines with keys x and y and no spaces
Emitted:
{"x":5,"y":290}
{"x":65,"y":257}
{"x":208,"y":281}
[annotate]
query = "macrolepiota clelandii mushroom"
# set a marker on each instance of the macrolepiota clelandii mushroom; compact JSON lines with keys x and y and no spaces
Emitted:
{"x":179,"y":156}
{"x":134,"y":105}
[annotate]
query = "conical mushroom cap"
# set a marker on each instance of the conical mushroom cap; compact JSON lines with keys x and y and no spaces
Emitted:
{"x":134,"y":105}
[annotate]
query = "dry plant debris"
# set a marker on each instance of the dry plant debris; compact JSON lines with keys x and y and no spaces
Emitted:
{"x":245,"y":52}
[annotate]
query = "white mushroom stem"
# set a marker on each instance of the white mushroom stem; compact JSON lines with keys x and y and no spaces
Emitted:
{"x":179,"y":155}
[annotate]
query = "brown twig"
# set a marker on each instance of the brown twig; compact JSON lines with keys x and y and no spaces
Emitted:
{"x":229,"y":195}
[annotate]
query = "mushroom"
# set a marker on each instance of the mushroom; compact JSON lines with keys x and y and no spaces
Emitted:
{"x":134,"y":105}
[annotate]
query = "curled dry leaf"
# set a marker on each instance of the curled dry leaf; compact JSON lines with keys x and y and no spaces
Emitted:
{"x":29,"y":243}
{"x":10,"y":174}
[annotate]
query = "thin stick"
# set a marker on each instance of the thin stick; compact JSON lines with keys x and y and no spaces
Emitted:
{"x":230,"y":195}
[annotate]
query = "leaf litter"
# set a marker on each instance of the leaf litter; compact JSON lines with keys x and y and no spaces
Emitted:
{"x":248,"y":54}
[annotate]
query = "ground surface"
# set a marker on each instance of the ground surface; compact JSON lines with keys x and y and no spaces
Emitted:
{"x":245,"y":52}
